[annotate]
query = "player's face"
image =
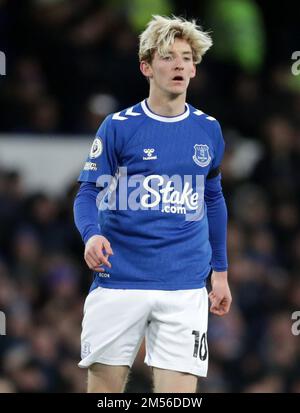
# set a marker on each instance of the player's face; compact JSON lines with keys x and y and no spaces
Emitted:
{"x":172,"y":73}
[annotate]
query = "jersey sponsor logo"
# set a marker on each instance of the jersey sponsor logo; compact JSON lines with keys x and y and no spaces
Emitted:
{"x":164,"y":194}
{"x":168,"y":194}
{"x":149,"y":152}
{"x":172,"y":195}
{"x":97,"y":148}
{"x":90,"y":166}
{"x":201,"y":156}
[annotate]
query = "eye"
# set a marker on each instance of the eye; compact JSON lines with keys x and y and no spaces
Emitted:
{"x":167,"y":58}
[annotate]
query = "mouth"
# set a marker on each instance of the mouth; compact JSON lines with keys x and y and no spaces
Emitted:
{"x":178,"y":79}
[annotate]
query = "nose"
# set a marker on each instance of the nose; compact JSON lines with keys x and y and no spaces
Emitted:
{"x":178,"y":61}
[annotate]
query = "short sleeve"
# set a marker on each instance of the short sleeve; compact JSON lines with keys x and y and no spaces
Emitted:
{"x":103,"y":156}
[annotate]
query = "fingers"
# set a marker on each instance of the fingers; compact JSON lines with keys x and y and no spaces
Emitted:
{"x":107,"y":248}
{"x":93,"y":262}
{"x":102,"y":258}
{"x":215,"y":300}
{"x":219,"y":305}
{"x":95,"y":257}
{"x":218,"y":311}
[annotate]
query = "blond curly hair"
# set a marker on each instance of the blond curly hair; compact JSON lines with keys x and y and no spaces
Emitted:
{"x":161,"y":32}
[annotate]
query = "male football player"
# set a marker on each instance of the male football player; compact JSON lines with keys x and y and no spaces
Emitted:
{"x":151,"y":212}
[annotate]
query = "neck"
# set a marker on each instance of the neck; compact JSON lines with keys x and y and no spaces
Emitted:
{"x":166,"y":105}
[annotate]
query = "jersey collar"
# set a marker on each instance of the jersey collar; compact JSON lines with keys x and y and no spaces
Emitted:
{"x":152,"y":115}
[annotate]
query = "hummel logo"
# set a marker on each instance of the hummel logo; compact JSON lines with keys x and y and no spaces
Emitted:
{"x":149,"y":156}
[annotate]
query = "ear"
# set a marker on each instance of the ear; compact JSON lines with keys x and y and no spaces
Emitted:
{"x":146,"y":69}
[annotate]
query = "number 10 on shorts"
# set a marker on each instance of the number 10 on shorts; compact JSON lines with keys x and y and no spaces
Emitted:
{"x":200,"y":347}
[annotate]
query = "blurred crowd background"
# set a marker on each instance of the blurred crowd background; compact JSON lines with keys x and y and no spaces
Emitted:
{"x":69,"y":64}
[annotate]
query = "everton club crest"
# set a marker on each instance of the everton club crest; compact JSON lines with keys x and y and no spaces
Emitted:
{"x":201,"y":156}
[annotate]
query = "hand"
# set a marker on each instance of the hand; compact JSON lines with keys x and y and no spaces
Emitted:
{"x":220,"y":296}
{"x":93,"y":254}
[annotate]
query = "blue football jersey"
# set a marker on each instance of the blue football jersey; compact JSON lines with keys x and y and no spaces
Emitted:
{"x":153,"y":170}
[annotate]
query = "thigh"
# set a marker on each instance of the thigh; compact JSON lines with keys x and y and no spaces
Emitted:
{"x":113,"y":327}
{"x":170,"y":381}
{"x":107,"y":379}
{"x":176,"y":337}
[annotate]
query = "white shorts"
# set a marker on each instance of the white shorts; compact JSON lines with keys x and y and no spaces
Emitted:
{"x":174,"y":324}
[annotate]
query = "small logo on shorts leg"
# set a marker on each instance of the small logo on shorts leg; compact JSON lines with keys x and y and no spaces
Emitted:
{"x":85,"y":349}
